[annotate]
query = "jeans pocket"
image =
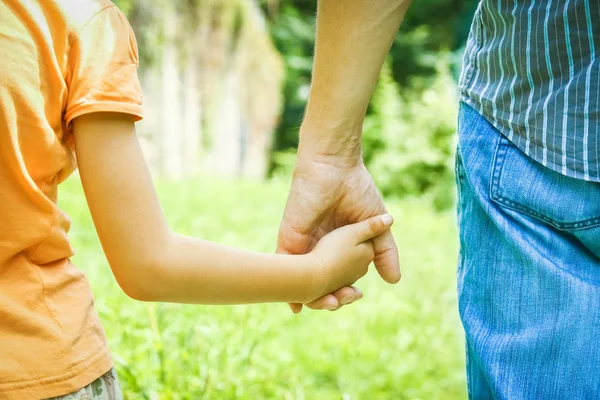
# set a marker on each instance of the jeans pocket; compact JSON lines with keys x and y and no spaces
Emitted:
{"x":521,"y":184}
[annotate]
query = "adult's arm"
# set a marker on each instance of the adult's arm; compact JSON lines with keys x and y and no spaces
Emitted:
{"x":331,"y":186}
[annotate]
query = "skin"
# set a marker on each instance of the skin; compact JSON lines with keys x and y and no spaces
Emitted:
{"x":153,"y":263}
{"x":331,"y":186}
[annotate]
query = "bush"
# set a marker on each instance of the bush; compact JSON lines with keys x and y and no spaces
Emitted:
{"x":409,"y":138}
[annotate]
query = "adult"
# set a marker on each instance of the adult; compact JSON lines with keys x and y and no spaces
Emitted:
{"x":528,"y":168}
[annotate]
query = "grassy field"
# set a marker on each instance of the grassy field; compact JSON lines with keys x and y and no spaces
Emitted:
{"x":399,"y":342}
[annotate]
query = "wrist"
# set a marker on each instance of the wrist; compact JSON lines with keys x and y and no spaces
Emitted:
{"x":325,"y":171}
{"x":315,"y":276}
{"x":336,"y":144}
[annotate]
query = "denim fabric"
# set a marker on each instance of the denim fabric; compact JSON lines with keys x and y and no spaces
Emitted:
{"x":529,"y":271}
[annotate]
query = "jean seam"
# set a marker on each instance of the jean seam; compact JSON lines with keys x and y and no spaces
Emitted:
{"x":496,"y":195}
{"x":497,"y":166}
{"x":468,"y":366}
{"x":457,"y":174}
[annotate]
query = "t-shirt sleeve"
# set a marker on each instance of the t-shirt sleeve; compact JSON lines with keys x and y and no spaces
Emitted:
{"x":103,"y":62}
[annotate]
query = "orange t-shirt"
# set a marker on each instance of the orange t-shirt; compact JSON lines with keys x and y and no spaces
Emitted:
{"x":59,"y":59}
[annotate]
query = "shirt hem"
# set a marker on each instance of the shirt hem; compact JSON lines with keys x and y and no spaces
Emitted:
{"x":59,"y":385}
{"x":575,"y":174}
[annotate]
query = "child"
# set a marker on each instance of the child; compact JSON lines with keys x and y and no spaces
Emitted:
{"x":69,"y":86}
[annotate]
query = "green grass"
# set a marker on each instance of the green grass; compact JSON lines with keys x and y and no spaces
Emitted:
{"x":400,"y":342}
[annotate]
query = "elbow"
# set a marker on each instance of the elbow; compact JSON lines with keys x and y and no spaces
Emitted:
{"x":136,"y":290}
{"x":136,"y":281}
{"x":140,"y":272}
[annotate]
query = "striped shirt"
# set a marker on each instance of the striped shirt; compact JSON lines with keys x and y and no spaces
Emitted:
{"x":532,"y":69}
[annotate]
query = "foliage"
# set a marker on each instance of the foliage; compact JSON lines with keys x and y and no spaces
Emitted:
{"x":409,"y":140}
{"x":431,"y":29}
{"x":399,"y":342}
{"x":293,"y":33}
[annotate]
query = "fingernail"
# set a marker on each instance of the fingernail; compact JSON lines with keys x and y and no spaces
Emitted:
{"x":387,"y":219}
{"x":330,"y":308}
{"x":347,"y":299}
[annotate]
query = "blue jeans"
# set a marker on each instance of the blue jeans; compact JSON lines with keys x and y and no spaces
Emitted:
{"x":529,"y":271}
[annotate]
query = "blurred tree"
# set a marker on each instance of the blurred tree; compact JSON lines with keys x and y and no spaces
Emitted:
{"x":409,"y":140}
{"x":212,"y":85}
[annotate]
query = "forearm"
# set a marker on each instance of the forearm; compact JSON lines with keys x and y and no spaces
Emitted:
{"x":201,"y":272}
{"x":353,"y":39}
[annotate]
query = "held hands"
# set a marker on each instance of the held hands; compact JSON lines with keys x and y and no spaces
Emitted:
{"x":326,"y":195}
{"x":343,"y":256}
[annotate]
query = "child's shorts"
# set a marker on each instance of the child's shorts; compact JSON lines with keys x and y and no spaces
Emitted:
{"x":104,"y":388}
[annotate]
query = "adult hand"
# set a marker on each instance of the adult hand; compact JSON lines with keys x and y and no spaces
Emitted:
{"x":324,"y":196}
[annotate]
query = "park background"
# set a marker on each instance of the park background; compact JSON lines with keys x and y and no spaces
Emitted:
{"x":225,"y":83}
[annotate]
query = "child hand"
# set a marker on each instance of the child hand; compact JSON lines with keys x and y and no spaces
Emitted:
{"x":344,"y":255}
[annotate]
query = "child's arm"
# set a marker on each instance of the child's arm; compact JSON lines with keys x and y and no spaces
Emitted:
{"x":153,"y":263}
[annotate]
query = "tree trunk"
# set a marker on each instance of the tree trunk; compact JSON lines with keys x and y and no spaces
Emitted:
{"x":226,"y":152}
{"x":192,"y":117}
{"x":212,"y":98}
{"x":171,"y":139}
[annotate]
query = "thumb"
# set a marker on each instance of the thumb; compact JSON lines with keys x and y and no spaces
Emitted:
{"x":371,"y":227}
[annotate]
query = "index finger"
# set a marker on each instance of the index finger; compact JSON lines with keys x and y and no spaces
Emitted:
{"x":386,"y":257}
